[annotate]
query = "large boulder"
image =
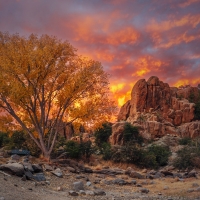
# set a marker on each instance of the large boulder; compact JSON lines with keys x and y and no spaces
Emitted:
{"x":124,"y":111}
{"x":138,"y":97}
{"x":13,"y":168}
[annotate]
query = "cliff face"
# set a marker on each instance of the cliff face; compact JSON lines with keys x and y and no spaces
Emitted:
{"x":158,"y":109}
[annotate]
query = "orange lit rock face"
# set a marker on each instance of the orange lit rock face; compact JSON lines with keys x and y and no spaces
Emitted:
{"x":157,"y":109}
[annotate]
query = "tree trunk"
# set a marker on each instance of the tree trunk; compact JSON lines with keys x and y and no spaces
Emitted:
{"x":46,"y":155}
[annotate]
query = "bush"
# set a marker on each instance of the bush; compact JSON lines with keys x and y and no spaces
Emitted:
{"x":106,"y":151}
{"x":102,"y":134}
{"x":76,"y":149}
{"x":153,"y":157}
{"x":185,"y":141}
{"x":17,"y":140}
{"x":86,"y":149}
{"x":161,"y":154}
{"x":197,"y":110}
{"x":4,"y":139}
{"x":131,"y":134}
{"x":73,"y":149}
{"x":187,"y":157}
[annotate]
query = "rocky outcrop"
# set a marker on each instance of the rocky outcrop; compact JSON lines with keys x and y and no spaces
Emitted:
{"x":188,"y":92}
{"x":191,"y":129}
{"x":154,"y":96}
{"x":157,"y":110}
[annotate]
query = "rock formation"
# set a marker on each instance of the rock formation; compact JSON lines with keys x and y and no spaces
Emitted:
{"x":154,"y":96}
{"x":158,"y":110}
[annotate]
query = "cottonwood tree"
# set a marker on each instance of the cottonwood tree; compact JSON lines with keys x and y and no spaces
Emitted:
{"x":43,"y":82}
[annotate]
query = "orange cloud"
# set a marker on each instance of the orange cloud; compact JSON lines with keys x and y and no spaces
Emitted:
{"x":126,"y":35}
{"x":187,"y":82}
{"x":191,"y":20}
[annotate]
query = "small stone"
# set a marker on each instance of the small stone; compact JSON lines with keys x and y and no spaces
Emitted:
{"x":78,"y":186}
{"x":29,"y":175}
{"x":195,"y":185}
{"x":71,"y":169}
{"x":28,"y":166}
{"x":133,"y":182}
{"x":88,"y":183}
{"x":39,"y":177}
{"x":2,"y":198}
{"x":88,"y":170}
{"x":197,"y":189}
{"x":82,"y":192}
{"x":144,"y":190}
{"x":89,"y":192}
{"x":80,"y":177}
{"x":134,"y":174}
{"x":190,"y":190}
{"x":47,"y":182}
{"x":37,"y":168}
{"x":119,"y":181}
{"x":58,"y":173}
{"x":138,"y":185}
{"x":73,"y":193}
{"x":99,"y":192}
{"x":48,"y":167}
{"x":165,"y":188}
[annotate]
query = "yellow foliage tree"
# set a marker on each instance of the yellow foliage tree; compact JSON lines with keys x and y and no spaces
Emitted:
{"x":43,"y":82}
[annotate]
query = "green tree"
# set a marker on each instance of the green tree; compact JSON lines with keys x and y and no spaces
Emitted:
{"x":44,"y":82}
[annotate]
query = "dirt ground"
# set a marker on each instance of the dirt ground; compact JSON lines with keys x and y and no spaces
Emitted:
{"x":13,"y":188}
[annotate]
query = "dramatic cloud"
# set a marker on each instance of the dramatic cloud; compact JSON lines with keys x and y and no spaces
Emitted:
{"x":132,"y":39}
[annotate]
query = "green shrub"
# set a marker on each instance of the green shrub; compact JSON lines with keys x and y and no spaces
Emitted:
{"x":4,"y":139}
{"x":102,"y":134}
{"x":153,"y":157}
{"x":131,"y":134}
{"x":86,"y":149}
{"x":161,"y":154}
{"x":197,"y":110}
{"x":187,"y":157}
{"x":106,"y":151}
{"x":76,"y":149}
{"x":185,"y":141}
{"x":73,"y":149}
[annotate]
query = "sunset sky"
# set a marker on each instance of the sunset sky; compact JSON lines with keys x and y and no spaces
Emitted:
{"x":133,"y":39}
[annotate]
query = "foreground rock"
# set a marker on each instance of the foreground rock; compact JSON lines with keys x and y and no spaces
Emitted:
{"x":13,"y":168}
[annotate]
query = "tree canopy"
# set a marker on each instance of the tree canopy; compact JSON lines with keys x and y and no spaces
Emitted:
{"x":44,"y":81}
